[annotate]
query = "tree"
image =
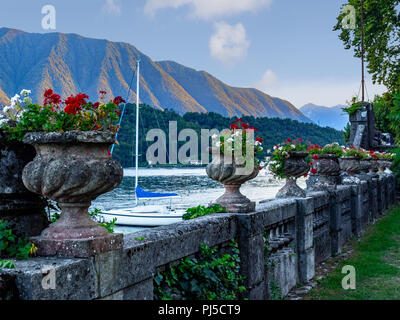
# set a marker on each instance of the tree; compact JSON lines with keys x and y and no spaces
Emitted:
{"x":382,"y":38}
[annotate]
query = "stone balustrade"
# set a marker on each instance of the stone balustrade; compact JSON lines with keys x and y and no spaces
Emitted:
{"x":280,"y":245}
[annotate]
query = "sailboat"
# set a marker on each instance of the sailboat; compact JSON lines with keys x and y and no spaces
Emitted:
{"x":143,"y":215}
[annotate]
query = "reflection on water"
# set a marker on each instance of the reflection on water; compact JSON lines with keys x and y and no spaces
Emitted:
{"x":193,"y":186}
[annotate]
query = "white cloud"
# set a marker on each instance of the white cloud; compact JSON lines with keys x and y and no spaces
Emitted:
{"x":323,"y":92}
{"x":229,"y":43}
{"x":112,"y":7}
{"x":207,"y":9}
{"x":268,"y":79}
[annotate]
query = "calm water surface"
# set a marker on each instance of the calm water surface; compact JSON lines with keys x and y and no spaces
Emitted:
{"x":193,"y":186}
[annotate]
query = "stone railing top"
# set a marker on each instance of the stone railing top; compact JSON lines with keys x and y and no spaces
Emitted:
{"x":69,"y":137}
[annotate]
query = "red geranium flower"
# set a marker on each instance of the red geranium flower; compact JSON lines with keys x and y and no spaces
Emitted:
{"x":74,"y":104}
{"x":300,"y":139}
{"x":306,"y":175}
{"x":96,"y":105}
{"x":314,"y":171}
{"x":289,"y":140}
{"x":260,"y":140}
{"x":234,"y":126}
{"x":102,"y":92}
{"x":245,"y":126}
{"x":118,"y":100}
{"x":315,"y":157}
{"x":51,"y":98}
{"x":239,"y":120}
{"x":260,"y":168}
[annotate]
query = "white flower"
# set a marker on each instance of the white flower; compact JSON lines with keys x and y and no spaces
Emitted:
{"x":25,"y":92}
{"x":214,"y":136}
{"x":293,"y":146}
{"x":218,"y":144}
{"x":257,"y":143}
{"x":229,"y":140}
{"x":6,"y":109}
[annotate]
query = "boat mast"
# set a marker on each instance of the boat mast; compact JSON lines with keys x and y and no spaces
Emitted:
{"x":362,"y":52}
{"x":137,"y":127}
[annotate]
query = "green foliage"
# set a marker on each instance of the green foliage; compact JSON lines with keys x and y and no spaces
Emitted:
{"x":382,"y":38}
{"x":282,"y":152}
{"x":140,"y":239}
{"x":333,"y":148}
{"x":201,"y":211}
{"x":271,"y":130}
{"x":353,"y":108}
{"x":13,"y":247}
{"x":376,"y":261}
{"x":396,"y":165}
{"x":346,"y":133}
{"x":110,"y":226}
{"x":275,"y":291}
{"x":36,"y":118}
{"x":7,"y":264}
{"x":394,"y":117}
{"x":210,"y":276}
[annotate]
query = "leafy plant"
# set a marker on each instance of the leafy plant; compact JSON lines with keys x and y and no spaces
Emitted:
{"x":13,"y":247}
{"x":209,"y":276}
{"x":201,"y":211}
{"x":333,"y":148}
{"x":7,"y":264}
{"x":353,"y":108}
{"x":75,"y":113}
{"x":140,"y":239}
{"x":282,"y":152}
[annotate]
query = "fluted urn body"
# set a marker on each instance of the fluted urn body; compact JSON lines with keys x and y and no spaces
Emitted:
{"x":351,"y":165}
{"x":232,"y":176}
{"x":327,"y":174}
{"x":294,"y":167}
{"x":72,"y":168}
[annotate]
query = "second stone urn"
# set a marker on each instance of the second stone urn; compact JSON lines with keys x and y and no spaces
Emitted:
{"x":294,"y":167}
{"x":327,"y":174}
{"x":73,"y":168}
{"x":232,"y":176}
{"x":351,"y":166}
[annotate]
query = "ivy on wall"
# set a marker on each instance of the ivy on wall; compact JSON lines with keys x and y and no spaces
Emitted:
{"x":211,"y":275}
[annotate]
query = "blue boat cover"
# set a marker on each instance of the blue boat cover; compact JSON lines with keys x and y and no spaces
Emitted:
{"x":141,"y":194}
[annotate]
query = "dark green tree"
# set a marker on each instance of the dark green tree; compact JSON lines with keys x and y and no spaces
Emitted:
{"x":382,"y":38}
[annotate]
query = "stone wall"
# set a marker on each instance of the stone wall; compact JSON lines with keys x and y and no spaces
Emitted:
{"x":280,"y":245}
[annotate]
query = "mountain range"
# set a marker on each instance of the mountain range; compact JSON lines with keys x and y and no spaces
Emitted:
{"x":70,"y":63}
{"x":333,"y":117}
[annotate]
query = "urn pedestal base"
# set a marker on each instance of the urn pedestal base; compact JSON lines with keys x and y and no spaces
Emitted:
{"x":77,"y":248}
{"x":291,"y":190}
{"x":322,"y":183}
{"x":234,"y":201}
{"x":76,"y":235}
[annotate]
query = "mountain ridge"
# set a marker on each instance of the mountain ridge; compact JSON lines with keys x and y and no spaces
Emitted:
{"x":71,"y":63}
{"x":333,"y":117}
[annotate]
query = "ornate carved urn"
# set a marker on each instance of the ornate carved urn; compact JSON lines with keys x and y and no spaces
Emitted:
{"x":373,"y":168}
{"x":73,"y":168}
{"x":351,"y":166}
{"x":382,"y":165}
{"x":294,"y":167}
{"x":327,"y":173}
{"x":232,"y":176}
{"x":22,"y":209}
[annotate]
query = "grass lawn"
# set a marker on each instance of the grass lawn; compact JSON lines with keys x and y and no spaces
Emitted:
{"x":376,"y":260}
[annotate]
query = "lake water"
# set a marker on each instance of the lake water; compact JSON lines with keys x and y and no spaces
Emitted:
{"x":192,"y":184}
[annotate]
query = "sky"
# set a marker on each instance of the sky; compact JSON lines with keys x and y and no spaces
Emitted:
{"x":286,"y":48}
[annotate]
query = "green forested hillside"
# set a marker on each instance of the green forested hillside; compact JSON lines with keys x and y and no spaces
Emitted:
{"x":272,"y":130}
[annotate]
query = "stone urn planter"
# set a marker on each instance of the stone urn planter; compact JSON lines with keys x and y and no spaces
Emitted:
{"x":382,"y":165}
{"x":327,"y":174}
{"x":227,"y":174}
{"x":351,"y":167}
{"x":22,"y":209}
{"x":365,"y":166}
{"x":73,"y":168}
{"x":294,"y":167}
{"x":373,"y":168}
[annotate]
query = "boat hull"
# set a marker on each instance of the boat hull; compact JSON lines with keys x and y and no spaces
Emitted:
{"x":147,"y":217}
